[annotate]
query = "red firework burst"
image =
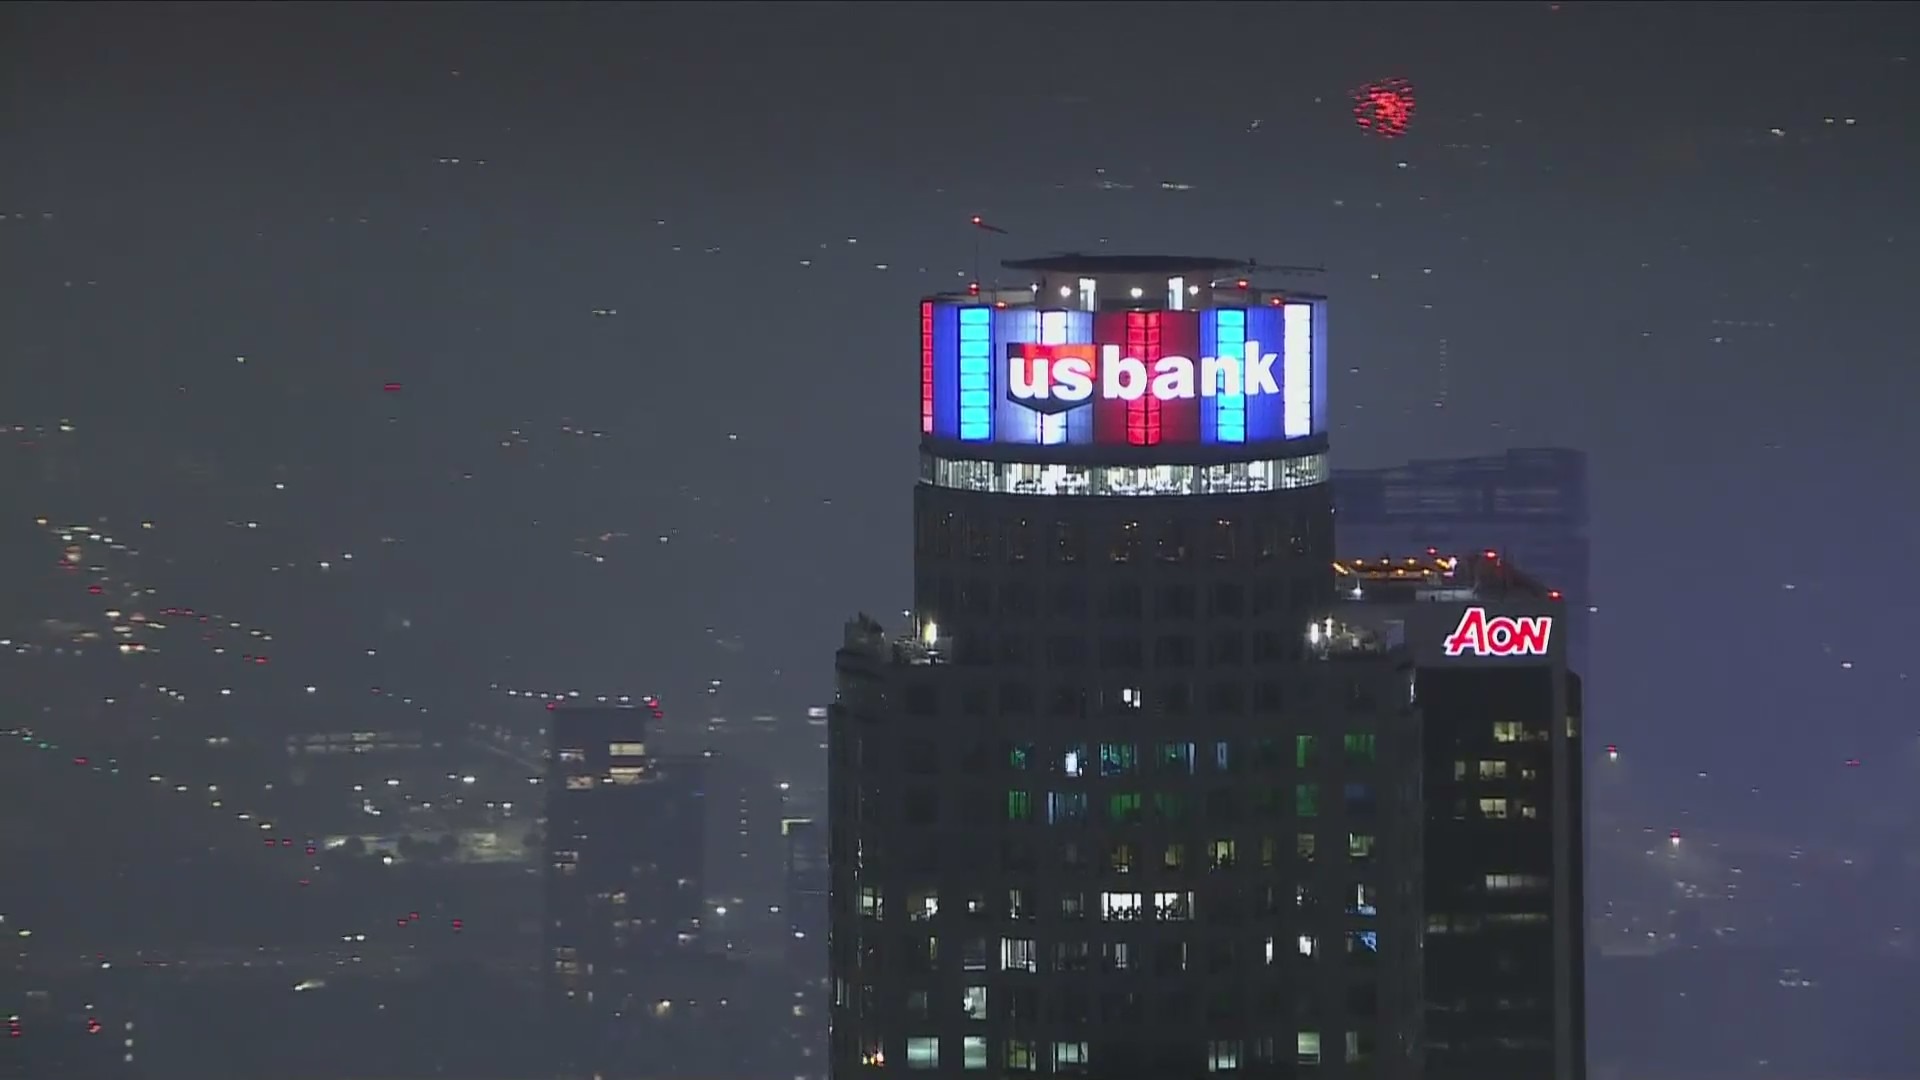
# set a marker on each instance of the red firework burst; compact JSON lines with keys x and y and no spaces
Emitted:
{"x":1384,"y":108}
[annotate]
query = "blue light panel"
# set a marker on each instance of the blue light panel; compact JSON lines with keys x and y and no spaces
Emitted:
{"x":1265,"y":413}
{"x":976,"y":374}
{"x":1229,"y":410}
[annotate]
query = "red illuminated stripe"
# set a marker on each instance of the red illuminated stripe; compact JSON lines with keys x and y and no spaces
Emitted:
{"x":926,"y":368}
{"x":1143,"y":342}
{"x":1180,"y":336}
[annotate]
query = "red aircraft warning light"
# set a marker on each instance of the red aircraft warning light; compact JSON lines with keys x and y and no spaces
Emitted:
{"x":1384,"y":108}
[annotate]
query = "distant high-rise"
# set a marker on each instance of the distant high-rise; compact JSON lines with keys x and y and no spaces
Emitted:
{"x":624,"y":897}
{"x":1102,"y":810}
{"x":1500,"y":721}
{"x":807,"y":887}
{"x":1530,"y":505}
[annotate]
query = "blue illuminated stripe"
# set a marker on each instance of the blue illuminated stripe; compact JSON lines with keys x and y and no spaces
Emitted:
{"x":976,"y":374}
{"x":1230,"y":410}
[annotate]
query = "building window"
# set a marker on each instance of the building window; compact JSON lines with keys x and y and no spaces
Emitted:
{"x":1177,"y":758}
{"x":1224,"y":546}
{"x":1073,"y":762}
{"x":1307,"y":1044}
{"x":1117,"y":759}
{"x":1304,"y":846}
{"x":1220,"y":854}
{"x":1307,"y":945}
{"x":1508,"y":731}
{"x":923,"y":905}
{"x":1120,"y":907}
{"x":1124,"y":809}
{"x":973,"y":1051}
{"x":872,"y":904}
{"x":1360,"y":845}
{"x":1503,"y":883}
{"x":1019,"y":1055}
{"x":1361,"y":749}
{"x":923,"y":1052}
{"x":626,"y":749}
{"x":1173,"y":906}
{"x":975,"y":1002}
{"x":1223,"y":1055}
{"x":1304,"y":755}
{"x":871,"y":1055}
{"x":1360,"y":799}
{"x":1493,"y":770}
{"x":1359,"y":1046}
{"x":1069,"y":1055}
{"x":1019,"y":954}
{"x":1066,"y":807}
{"x":1071,"y":956}
{"x":1493,"y":808}
{"x":572,"y":754}
{"x":1019,"y":806}
{"x":1306,"y":800}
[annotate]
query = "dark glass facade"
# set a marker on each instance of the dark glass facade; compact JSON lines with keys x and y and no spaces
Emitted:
{"x":1502,"y":845}
{"x":1529,"y":504}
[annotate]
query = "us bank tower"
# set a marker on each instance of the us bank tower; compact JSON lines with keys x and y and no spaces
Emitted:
{"x":1107,"y":803}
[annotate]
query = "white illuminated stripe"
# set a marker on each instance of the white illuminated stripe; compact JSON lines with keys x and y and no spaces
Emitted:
{"x":1029,"y":478}
{"x":1087,"y":297}
{"x":1177,"y":294}
{"x":1053,"y":331}
{"x":1296,"y":371}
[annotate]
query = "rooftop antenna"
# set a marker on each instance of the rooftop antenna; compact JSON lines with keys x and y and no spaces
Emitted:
{"x":1255,"y":266}
{"x":980,"y":229}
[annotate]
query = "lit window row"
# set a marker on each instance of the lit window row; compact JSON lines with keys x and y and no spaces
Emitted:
{"x":923,"y":905}
{"x":923,"y":1052}
{"x":1029,"y":478}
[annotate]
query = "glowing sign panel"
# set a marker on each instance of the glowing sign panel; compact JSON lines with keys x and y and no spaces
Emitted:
{"x":1143,"y":377}
{"x":1054,"y":378}
{"x":1500,"y":635}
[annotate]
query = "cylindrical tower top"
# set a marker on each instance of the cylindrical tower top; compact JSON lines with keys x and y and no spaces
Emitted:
{"x":1137,"y":360}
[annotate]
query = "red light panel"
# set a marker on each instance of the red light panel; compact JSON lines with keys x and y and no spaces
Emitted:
{"x":926,"y":370}
{"x":1143,"y":341}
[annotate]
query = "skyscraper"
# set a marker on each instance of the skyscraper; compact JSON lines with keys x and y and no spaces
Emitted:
{"x":624,"y":897}
{"x":1102,"y":809}
{"x":1503,"y":841}
{"x":1530,"y":505}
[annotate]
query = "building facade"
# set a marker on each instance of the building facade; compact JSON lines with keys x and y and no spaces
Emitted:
{"x":624,"y":895}
{"x":1503,"y":840}
{"x":1102,"y":809}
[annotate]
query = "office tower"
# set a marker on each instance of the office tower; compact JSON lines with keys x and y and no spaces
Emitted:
{"x":807,"y":886}
{"x":1100,"y":810}
{"x":1529,"y":505}
{"x":1504,"y":850}
{"x":623,"y":897}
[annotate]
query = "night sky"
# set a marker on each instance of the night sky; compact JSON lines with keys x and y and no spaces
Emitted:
{"x":588,"y":331}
